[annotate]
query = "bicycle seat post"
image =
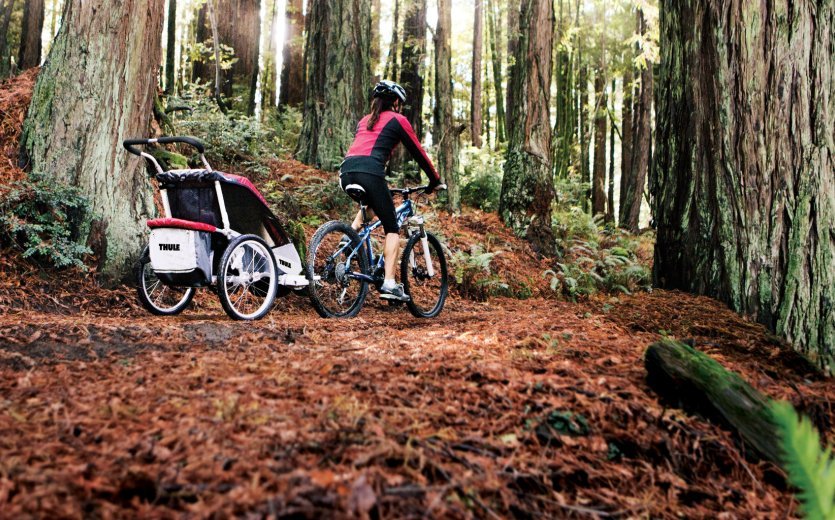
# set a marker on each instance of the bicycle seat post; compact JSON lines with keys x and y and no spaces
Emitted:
{"x":363,"y":208}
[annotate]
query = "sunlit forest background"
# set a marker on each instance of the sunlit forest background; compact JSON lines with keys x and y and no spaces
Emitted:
{"x":602,"y":50}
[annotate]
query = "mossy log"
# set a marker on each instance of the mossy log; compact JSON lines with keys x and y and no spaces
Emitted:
{"x":692,"y":380}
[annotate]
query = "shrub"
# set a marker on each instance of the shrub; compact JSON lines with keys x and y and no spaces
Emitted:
{"x":324,"y":197}
{"x":481,"y":183}
{"x":46,"y":220}
{"x":230,"y":138}
{"x":287,"y":122}
{"x":595,"y":258}
{"x":473,"y":274}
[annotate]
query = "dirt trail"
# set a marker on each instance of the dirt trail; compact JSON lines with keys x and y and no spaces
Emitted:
{"x":512,"y":408}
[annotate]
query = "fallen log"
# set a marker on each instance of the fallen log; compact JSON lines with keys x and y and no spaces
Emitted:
{"x":692,"y":380}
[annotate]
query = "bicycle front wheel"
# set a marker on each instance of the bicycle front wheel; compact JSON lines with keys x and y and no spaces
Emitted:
{"x":423,"y":271}
{"x":333,"y":291}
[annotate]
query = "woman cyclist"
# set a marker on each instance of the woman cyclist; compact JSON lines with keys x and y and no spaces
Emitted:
{"x":378,"y":134}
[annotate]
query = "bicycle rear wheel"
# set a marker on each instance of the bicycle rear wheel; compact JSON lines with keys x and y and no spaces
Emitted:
{"x":423,"y":271}
{"x":333,"y":292}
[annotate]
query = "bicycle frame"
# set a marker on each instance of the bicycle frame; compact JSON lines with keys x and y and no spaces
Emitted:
{"x":404,"y":212}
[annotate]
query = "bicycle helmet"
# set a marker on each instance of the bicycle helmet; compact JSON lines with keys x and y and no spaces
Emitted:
{"x":390,"y":89}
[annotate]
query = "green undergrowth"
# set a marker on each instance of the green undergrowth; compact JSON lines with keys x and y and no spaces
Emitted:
{"x":247,"y":143}
{"x":597,"y":258}
{"x":481,"y":179}
{"x":810,"y":468}
{"x":46,"y":221}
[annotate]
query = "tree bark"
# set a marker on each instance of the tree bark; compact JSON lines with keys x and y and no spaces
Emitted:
{"x":498,"y":78}
{"x":565,"y":125}
{"x":239,"y":26}
{"x":585,"y":134}
{"x":376,"y":50}
{"x":598,"y":182}
{"x":641,"y":143}
{"x":476,"y":127}
{"x":513,"y":38}
{"x":412,"y":59}
{"x":444,"y":130}
{"x":391,"y":70}
{"x":694,"y":381}
{"x":744,"y":170}
{"x":292,"y":70}
{"x":6,"y":10}
{"x":171,"y":49}
{"x":610,"y":199}
{"x":268,"y":74}
{"x":338,"y":51}
{"x":412,"y":56}
{"x":30,"y":34}
{"x":626,"y":144}
{"x":202,"y":33}
{"x":528,"y":187}
{"x":74,"y":129}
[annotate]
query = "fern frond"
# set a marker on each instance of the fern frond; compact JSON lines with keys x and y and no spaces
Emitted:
{"x":811,"y":470}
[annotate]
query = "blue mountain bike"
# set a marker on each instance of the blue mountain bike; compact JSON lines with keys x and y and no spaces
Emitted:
{"x":342,"y":264}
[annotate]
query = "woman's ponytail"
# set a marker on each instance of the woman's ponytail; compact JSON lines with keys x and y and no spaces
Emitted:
{"x":378,"y":106}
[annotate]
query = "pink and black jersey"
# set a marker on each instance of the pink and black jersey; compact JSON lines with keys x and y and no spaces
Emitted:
{"x":372,"y":149}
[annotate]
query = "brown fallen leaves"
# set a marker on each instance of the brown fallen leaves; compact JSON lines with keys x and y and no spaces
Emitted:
{"x":502,"y":409}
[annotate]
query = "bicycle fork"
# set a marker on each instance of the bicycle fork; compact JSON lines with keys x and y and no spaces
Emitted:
{"x":419,"y":222}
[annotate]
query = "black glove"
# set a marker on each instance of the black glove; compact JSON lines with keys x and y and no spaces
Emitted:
{"x":433,"y":183}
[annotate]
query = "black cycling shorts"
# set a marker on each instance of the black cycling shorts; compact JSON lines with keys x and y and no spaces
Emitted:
{"x":378,"y":197}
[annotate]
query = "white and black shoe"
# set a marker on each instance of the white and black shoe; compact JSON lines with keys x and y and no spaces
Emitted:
{"x":395,"y":293}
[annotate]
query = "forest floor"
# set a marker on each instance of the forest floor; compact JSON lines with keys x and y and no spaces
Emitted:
{"x":503,"y":408}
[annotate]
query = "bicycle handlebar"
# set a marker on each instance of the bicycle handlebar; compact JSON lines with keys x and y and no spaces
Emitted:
{"x":131,"y":144}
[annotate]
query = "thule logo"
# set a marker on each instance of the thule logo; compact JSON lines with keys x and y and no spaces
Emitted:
{"x":169,"y":247}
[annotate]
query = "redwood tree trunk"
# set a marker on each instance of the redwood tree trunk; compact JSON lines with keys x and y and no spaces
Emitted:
{"x":598,"y":180}
{"x":268,"y":74}
{"x":74,"y":129}
{"x":412,"y":58}
{"x":641,"y":143}
{"x":391,"y":70}
{"x":475,"y":98}
{"x":338,"y":51}
{"x":625,"y":144}
{"x":528,"y":187}
{"x":202,"y":70}
{"x":292,"y":70}
{"x":444,"y":131}
{"x":171,"y":49}
{"x":376,"y":49}
{"x":513,"y":39}
{"x":745,"y":166}
{"x":239,"y":26}
{"x":610,"y":198}
{"x":584,"y":133}
{"x":565,"y":124}
{"x":30,"y":34}
{"x":6,"y":9}
{"x":498,"y":77}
